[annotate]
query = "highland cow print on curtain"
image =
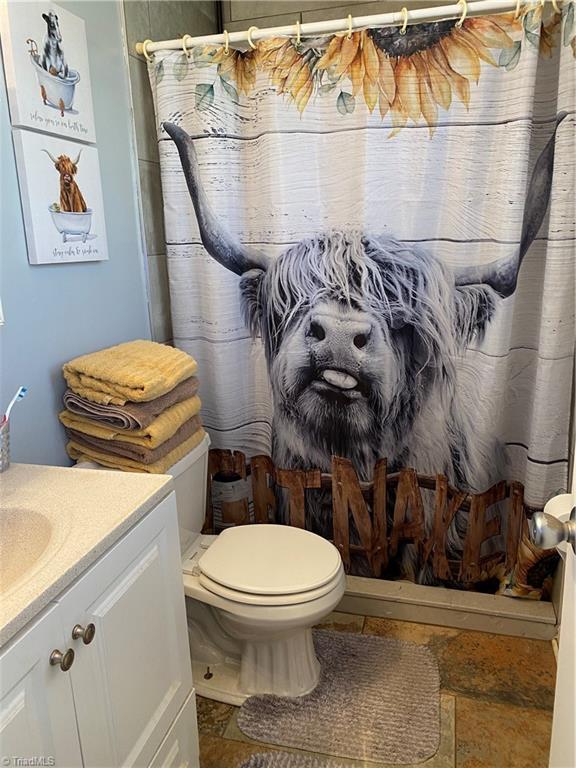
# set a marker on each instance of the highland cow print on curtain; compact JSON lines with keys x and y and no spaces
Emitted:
{"x":371,"y":248}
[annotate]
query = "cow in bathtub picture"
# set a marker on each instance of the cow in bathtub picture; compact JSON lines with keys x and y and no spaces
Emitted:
{"x":71,"y":216}
{"x":53,"y":59}
{"x":362,"y":333}
{"x":46,"y":53}
{"x":56,"y":79}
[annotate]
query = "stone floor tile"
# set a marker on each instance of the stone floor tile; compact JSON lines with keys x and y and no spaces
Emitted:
{"x":422,"y":634}
{"x":512,"y":670}
{"x":495,"y":735}
{"x":216,"y":752}
{"x":213,"y":716}
{"x":342,"y":622}
{"x":499,"y":667}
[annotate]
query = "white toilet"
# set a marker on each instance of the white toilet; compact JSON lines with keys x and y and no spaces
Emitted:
{"x":253,"y":594}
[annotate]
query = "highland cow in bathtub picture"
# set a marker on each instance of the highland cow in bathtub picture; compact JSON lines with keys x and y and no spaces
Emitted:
{"x":45,"y":52}
{"x":62,"y":199}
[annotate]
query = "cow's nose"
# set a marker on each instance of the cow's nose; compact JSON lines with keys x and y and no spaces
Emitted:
{"x":335,"y":330}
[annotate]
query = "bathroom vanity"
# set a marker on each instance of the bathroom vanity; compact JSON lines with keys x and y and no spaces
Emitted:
{"x":94,"y":658}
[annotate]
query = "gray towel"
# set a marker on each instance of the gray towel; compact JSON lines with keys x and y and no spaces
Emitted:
{"x":130,"y":415}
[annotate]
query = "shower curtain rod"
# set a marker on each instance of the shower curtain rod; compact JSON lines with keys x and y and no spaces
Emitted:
{"x":454,"y":11}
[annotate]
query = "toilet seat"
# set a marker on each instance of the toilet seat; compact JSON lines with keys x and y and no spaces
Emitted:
{"x":270,"y":565}
{"x":293,"y":598}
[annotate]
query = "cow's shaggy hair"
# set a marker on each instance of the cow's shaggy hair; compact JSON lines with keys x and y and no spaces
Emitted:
{"x":403,"y":284}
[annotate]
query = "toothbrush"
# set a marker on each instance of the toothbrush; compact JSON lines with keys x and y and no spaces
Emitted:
{"x":21,"y":392}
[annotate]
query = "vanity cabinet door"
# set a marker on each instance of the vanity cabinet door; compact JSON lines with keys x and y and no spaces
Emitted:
{"x":180,"y":746}
{"x":37,"y":720}
{"x":131,"y":680}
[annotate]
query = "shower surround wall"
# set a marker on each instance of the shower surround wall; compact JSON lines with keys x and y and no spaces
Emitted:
{"x":157,"y":20}
{"x":238,"y":15}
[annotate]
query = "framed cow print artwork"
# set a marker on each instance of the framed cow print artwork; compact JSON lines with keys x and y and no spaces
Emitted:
{"x":62,"y":201}
{"x":45,"y":54}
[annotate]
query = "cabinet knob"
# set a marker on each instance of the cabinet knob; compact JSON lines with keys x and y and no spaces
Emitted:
{"x":86,"y":633}
{"x":62,"y":660}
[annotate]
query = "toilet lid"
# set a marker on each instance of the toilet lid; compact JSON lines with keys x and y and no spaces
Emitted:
{"x":270,"y":560}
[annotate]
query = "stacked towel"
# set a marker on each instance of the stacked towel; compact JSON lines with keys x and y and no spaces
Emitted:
{"x":137,"y":371}
{"x":132,"y":407}
{"x":130,"y":415}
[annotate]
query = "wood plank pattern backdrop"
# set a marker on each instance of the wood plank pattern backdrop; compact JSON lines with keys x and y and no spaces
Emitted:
{"x":274,"y":175}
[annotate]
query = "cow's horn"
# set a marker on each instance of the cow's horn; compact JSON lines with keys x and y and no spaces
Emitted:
{"x":50,"y":156}
{"x":78,"y":158}
{"x":501,"y":275}
{"x":219,"y":244}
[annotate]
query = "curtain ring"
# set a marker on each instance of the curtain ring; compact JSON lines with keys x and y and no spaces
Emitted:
{"x":250,"y":43}
{"x":145,"y":52}
{"x":298,"y":35}
{"x":349,"y":35}
{"x":405,"y":22}
{"x":517,"y":11}
{"x":556,"y":6}
{"x":226,"y":43}
{"x":186,"y":51}
{"x":462,"y":18}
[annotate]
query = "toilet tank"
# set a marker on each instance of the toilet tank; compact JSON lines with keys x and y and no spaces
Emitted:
{"x":190,"y":476}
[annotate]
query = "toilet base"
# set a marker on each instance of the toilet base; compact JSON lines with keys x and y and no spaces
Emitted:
{"x":223,"y":682}
{"x":286,"y":665}
{"x":233,"y":658}
{"x":223,"y":685}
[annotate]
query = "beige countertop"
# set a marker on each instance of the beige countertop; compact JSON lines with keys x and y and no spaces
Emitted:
{"x":57,"y":521}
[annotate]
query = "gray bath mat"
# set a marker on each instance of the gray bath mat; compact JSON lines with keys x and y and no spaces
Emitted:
{"x":378,"y":699}
{"x":288,"y":760}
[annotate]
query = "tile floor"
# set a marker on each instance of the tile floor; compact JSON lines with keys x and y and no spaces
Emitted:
{"x":497,"y":694}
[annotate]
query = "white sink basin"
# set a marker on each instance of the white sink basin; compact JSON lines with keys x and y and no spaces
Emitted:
{"x":54,"y":523}
{"x":24,"y":537}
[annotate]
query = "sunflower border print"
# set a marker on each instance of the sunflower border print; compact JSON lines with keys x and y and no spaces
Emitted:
{"x":409,"y":76}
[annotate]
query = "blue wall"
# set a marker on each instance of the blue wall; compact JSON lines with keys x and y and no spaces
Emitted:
{"x":55,"y":312}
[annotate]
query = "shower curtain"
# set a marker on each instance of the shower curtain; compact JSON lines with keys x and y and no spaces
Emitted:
{"x":378,"y":271}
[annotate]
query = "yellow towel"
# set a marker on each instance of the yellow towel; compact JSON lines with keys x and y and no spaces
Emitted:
{"x":82,"y":453}
{"x":137,"y":371}
{"x":157,"y":432}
